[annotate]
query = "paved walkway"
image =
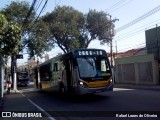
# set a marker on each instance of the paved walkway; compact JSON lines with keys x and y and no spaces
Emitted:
{"x":133,"y":86}
{"x":16,"y":104}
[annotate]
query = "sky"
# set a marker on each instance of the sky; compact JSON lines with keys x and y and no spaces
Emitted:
{"x":124,"y":10}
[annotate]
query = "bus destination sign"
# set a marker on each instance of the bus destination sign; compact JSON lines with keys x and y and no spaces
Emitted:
{"x":89,"y":52}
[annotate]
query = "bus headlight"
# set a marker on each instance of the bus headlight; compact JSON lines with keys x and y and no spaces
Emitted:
{"x":82,"y":84}
{"x":111,"y":81}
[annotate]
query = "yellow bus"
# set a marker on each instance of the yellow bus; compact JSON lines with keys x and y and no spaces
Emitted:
{"x":80,"y":71}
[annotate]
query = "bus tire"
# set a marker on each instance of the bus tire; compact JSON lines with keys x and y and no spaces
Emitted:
{"x":61,"y":88}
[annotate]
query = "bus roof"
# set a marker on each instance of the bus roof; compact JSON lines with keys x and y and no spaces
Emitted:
{"x":77,"y":52}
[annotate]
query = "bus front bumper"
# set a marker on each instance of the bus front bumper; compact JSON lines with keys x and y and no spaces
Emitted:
{"x":83,"y":90}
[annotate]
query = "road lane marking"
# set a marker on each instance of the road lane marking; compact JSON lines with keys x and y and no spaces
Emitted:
{"x":41,"y":109}
{"x":37,"y":106}
{"x":121,"y":89}
{"x":28,"y":90}
{"x":23,"y":95}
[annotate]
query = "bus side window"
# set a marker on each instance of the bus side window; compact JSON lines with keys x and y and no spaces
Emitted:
{"x":55,"y":67}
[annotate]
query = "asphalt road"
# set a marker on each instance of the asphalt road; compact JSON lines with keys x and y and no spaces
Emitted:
{"x":98,"y":106}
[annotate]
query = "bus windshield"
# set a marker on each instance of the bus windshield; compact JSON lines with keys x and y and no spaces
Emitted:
{"x":22,"y":75}
{"x":93,"y":67}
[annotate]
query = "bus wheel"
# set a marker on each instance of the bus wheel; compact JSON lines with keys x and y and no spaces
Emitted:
{"x":61,"y":88}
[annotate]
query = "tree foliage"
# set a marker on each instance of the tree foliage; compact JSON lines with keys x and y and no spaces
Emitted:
{"x":98,"y":26}
{"x":10,"y":37}
{"x":17,"y":12}
{"x":39,"y":40}
{"x":64,"y":24}
{"x":72,"y":29}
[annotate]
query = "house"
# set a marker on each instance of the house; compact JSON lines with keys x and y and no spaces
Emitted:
{"x":129,"y":53}
{"x":132,"y":52}
{"x":136,"y":67}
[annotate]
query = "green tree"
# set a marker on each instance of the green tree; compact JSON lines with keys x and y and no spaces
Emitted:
{"x":10,"y":37}
{"x":98,"y":26}
{"x":32,"y":31}
{"x":65,"y":24}
{"x":17,"y":12}
{"x":39,"y":40}
{"x":72,"y":29}
{"x":35,"y":33}
{"x":66,"y":27}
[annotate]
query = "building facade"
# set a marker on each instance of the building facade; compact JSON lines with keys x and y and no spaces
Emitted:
{"x":153,"y":42}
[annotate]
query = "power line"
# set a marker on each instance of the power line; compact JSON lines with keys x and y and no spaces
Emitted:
{"x":111,"y":11}
{"x":132,"y":33}
{"x":34,"y":22}
{"x":137,"y":46}
{"x":58,"y":2}
{"x":141,"y":27}
{"x":36,"y":9}
{"x":124,"y":36}
{"x":150,"y":48}
{"x":28,"y":15}
{"x":38,"y":5}
{"x":152,"y":43}
{"x":156,"y":9}
{"x":41,"y":10}
{"x":115,"y":5}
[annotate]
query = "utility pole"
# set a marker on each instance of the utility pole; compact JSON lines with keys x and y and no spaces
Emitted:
{"x":116,"y":47}
{"x":157,"y":42}
{"x":1,"y":77}
{"x":13,"y":72}
{"x":111,"y":53}
{"x":111,"y":34}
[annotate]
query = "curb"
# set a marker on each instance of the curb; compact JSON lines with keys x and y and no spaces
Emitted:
{"x":134,"y":86}
{"x":1,"y":102}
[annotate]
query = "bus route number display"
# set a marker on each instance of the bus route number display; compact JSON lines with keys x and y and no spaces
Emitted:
{"x":80,"y":53}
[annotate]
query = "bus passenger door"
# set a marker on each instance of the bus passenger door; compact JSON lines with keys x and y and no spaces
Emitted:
{"x":69,"y":68}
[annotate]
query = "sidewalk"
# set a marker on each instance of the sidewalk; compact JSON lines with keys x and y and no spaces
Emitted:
{"x":16,"y":104}
{"x":133,"y":86}
{"x":16,"y":101}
